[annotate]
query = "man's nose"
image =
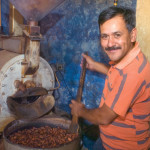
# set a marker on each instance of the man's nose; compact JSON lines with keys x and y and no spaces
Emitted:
{"x":111,"y":41}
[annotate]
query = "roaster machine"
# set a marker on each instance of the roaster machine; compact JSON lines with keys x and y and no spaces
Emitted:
{"x":26,"y":75}
{"x":27,"y":81}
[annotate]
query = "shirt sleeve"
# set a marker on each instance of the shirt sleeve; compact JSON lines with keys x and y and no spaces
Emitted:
{"x":122,"y":92}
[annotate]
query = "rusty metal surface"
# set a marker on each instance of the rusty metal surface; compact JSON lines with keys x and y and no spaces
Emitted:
{"x":35,"y":10}
{"x":1,"y":141}
{"x":32,"y":30}
{"x":15,"y":19}
{"x":24,"y":108}
{"x":5,"y":56}
{"x":13,"y":44}
{"x":1,"y":144}
{"x":32,"y":57}
{"x":35,"y":91}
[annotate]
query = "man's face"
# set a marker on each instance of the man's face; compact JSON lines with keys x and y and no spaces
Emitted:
{"x":116,"y":41}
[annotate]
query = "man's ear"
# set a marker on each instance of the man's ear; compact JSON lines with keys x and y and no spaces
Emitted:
{"x":133,"y":34}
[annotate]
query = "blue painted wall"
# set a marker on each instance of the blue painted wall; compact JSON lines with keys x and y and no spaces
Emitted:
{"x":68,"y":31}
{"x":5,"y":16}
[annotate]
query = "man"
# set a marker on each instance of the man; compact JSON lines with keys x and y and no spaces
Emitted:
{"x":124,"y":112}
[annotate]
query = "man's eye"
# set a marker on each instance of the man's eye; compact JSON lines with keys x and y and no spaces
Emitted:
{"x":117,"y":35}
{"x":104,"y":37}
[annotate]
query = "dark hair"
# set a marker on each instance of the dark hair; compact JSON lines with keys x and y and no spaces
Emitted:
{"x":113,"y":11}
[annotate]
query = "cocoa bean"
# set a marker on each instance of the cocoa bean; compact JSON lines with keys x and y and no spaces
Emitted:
{"x":43,"y":137}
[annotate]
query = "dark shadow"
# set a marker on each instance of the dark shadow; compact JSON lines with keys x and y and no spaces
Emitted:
{"x":89,"y":130}
{"x":49,"y":21}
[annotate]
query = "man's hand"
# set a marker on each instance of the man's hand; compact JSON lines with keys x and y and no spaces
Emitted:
{"x":95,"y":66}
{"x":76,"y":108}
{"x":98,"y":116}
{"x":89,"y":62}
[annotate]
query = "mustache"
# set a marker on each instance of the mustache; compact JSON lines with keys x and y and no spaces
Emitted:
{"x":112,"y":48}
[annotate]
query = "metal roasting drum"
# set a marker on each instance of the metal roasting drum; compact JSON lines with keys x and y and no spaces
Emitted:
{"x":11,"y":71}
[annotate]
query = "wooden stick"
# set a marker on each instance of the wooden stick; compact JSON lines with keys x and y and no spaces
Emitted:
{"x":74,"y":127}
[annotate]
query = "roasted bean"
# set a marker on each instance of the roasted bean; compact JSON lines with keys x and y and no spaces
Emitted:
{"x":43,"y":137}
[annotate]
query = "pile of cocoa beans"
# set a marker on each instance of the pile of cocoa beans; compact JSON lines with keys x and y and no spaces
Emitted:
{"x":42,"y":137}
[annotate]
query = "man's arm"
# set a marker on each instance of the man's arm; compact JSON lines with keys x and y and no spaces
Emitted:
{"x":98,"y":116}
{"x":95,"y":66}
{"x":101,"y":68}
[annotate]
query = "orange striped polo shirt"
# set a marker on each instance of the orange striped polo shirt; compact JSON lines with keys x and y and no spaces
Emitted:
{"x":127,"y":93}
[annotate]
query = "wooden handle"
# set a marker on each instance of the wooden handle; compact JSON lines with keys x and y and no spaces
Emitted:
{"x":81,"y":83}
{"x":74,"y":127}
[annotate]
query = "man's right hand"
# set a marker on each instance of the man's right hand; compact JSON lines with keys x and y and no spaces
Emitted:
{"x":90,"y":63}
{"x":95,"y":66}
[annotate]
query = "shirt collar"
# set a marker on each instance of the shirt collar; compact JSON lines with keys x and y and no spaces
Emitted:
{"x":129,"y":57}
